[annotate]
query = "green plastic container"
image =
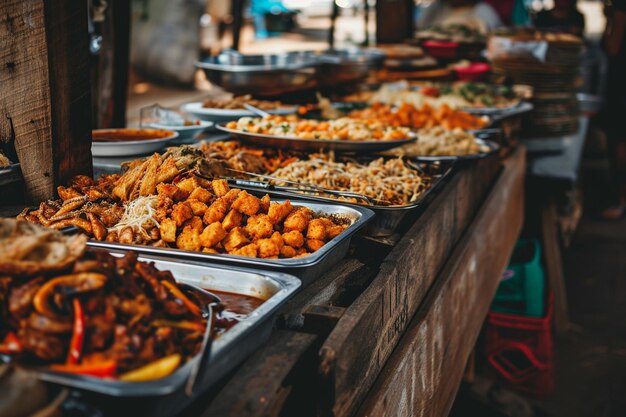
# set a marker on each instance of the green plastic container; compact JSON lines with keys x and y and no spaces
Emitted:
{"x":522,"y":289}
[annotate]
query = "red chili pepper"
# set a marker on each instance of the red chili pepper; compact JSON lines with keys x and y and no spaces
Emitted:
{"x":11,"y":344}
{"x":78,"y":335}
{"x":104,"y":369}
{"x":430,"y":91}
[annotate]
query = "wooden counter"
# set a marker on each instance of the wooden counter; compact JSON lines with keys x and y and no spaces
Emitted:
{"x":388,"y":331}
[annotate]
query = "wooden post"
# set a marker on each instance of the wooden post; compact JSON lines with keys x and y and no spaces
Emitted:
{"x":45,"y":107}
{"x":394,"y":20}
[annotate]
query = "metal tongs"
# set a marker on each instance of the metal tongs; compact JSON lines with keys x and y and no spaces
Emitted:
{"x":298,"y":186}
{"x":208,"y":311}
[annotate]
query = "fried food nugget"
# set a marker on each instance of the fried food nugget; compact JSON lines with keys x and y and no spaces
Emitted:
{"x":314,"y":244}
{"x":298,"y":219}
{"x":188,"y":239}
{"x":235,"y":239}
{"x":201,"y":194}
{"x":231,"y":196}
{"x":259,"y":226}
{"x":232,"y":220}
{"x":167,"y":171}
{"x":335,"y":230}
{"x":189,"y":184}
{"x":293,"y":238}
{"x":195,"y":223}
{"x":212,"y":235}
{"x":278,"y":211}
{"x":198,"y":207}
{"x":287,"y":252}
{"x":265,"y":204}
{"x":316,"y":229}
{"x":181,"y":213}
{"x":250,"y":250}
{"x":246,"y":203}
{"x":209,"y":250}
{"x":277,"y":239}
{"x":126,"y":235}
{"x":172,"y":191}
{"x":220,"y":187}
{"x":267,"y":248}
{"x":168,"y":230}
{"x":216,"y":211}
{"x":163,"y":208}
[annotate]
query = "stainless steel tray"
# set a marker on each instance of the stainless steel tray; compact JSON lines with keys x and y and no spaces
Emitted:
{"x":493,"y":148}
{"x":315,"y":145}
{"x":306,"y":268}
{"x":166,"y":396}
{"x":387,"y":219}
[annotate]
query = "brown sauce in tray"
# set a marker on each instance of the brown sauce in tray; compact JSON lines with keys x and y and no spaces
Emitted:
{"x":236,"y":308}
{"x":129,"y":135}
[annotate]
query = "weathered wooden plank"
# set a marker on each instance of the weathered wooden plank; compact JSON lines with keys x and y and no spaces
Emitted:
{"x":44,"y":90}
{"x":424,"y":372}
{"x":363,"y":339}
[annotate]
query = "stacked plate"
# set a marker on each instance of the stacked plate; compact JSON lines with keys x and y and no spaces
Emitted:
{"x":551,"y":65}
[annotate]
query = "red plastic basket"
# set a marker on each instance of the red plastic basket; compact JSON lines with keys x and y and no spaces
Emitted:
{"x":520,"y":350}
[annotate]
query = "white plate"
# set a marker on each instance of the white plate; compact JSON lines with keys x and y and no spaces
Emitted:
{"x":129,"y":148}
{"x":185,"y":133}
{"x":225,"y":115}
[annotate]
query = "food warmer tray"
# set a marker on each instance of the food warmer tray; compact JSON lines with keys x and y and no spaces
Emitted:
{"x":387,"y":219}
{"x":166,"y":396}
{"x":493,"y":149}
{"x":307,"y":268}
{"x":315,"y":145}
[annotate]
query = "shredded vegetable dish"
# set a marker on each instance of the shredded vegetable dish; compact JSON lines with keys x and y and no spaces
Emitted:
{"x":348,"y":129}
{"x":438,"y":141}
{"x":389,"y":182}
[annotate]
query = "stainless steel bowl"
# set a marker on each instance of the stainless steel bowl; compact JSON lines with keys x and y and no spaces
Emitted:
{"x":347,"y":66}
{"x":263,"y":75}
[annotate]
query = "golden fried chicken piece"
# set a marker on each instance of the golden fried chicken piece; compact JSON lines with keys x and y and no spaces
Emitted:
{"x":246,"y":203}
{"x":181,"y":212}
{"x":316,"y":229}
{"x":335,"y":230}
{"x":212,"y":234}
{"x":198,"y":207}
{"x":126,"y":235}
{"x":277,"y":239}
{"x":278,"y":211}
{"x":293,"y":238}
{"x":259,"y":226}
{"x":298,"y":219}
{"x":172,"y":191}
{"x":235,"y":239}
{"x":314,"y":244}
{"x":189,"y":184}
{"x":188,"y":239}
{"x":163,"y":208}
{"x":287,"y":252}
{"x":231,"y":196}
{"x":148,"y":182}
{"x":220,"y":187}
{"x":167,"y":171}
{"x":195,"y":223}
{"x":216,"y":211}
{"x":267,"y":248}
{"x":168,"y":230}
{"x":250,"y":250}
{"x":66,"y":193}
{"x":201,"y":194}
{"x":265,"y":204}
{"x":209,"y":250}
{"x":232,"y":220}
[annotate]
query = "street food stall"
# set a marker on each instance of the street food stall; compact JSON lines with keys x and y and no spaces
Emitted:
{"x":258,"y":253}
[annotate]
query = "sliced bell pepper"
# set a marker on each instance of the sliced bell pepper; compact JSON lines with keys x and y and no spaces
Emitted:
{"x":105,"y":369}
{"x":183,"y":324}
{"x":176,"y":292}
{"x":11,"y":344}
{"x":159,"y":368}
{"x":78,"y":335}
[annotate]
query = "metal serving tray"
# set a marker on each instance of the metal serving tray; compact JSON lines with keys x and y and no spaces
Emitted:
{"x":286,"y":142}
{"x":307,"y":268}
{"x":166,"y":396}
{"x":493,"y":148}
{"x":387,"y":219}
